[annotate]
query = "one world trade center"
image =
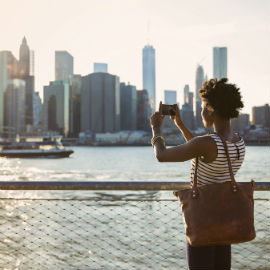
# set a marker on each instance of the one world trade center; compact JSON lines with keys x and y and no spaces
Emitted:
{"x":149,"y":76}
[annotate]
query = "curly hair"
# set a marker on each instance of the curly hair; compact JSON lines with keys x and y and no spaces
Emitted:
{"x":223,"y":97}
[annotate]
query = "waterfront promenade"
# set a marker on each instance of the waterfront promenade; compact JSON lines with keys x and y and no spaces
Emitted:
{"x":108,"y":225}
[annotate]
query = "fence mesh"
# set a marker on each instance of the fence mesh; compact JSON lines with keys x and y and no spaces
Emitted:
{"x":111,"y":232}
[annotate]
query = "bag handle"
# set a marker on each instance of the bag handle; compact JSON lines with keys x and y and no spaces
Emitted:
{"x":194,"y":186}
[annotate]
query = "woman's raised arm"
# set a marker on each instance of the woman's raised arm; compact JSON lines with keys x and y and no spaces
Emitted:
{"x":178,"y":122}
{"x":196,"y":146}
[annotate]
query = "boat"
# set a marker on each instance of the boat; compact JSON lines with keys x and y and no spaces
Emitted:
{"x":33,"y":147}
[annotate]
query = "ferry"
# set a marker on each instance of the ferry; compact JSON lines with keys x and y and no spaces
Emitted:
{"x":32,"y":147}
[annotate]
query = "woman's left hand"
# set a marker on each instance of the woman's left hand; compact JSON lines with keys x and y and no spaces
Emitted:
{"x":157,"y":117}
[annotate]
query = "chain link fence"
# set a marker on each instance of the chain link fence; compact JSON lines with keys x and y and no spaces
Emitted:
{"x":109,"y":230}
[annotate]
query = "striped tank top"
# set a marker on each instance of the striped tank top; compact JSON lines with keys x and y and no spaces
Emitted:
{"x":217,"y":171}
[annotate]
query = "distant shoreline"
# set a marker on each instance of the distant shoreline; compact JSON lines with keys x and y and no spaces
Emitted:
{"x":136,"y":145}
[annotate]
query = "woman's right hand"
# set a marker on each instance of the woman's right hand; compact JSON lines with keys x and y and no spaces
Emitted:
{"x":177,"y":117}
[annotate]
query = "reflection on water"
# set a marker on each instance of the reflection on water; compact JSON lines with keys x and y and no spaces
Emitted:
{"x":120,"y":163}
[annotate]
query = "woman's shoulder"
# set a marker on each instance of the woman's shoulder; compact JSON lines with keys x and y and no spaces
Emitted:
{"x":212,"y":140}
{"x":208,"y":144}
{"x":209,"y":140}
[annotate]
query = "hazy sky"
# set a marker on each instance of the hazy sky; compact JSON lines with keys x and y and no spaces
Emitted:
{"x":115,"y":31}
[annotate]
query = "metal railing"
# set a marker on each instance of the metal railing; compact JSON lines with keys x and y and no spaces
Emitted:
{"x":108,"y":225}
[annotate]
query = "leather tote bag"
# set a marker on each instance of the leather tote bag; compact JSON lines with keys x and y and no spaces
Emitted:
{"x":218,"y":214}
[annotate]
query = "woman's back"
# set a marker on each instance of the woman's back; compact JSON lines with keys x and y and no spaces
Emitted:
{"x":217,"y":171}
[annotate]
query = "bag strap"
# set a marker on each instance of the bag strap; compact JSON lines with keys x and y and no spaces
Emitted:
{"x":228,"y":159}
{"x":195,"y":182}
{"x":194,"y":186}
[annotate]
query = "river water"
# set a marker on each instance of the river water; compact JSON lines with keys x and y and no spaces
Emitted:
{"x":111,"y":230}
{"x":121,"y":163}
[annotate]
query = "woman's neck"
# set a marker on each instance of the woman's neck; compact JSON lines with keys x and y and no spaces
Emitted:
{"x":223,"y":128}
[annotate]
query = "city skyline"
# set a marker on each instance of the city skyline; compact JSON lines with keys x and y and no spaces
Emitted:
{"x":113,"y":105}
{"x":182,"y":40}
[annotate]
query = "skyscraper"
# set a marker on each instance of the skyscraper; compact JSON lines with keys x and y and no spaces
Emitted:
{"x":240,"y":124}
{"x":32,"y":63}
{"x":190,"y":100}
{"x":187,"y":108}
{"x":100,"y":103}
{"x":188,"y":97}
{"x":199,"y":81}
{"x":75,"y":83}
{"x":198,"y":102}
{"x":56,"y":107}
{"x":63,"y":65}
{"x":29,"y":93}
{"x":187,"y":116}
{"x":37,"y":109}
{"x":186,"y":91}
{"x":15,"y":107}
{"x":142,"y":110}
{"x":101,"y":67}
{"x":26,"y":64}
{"x":128,"y":106}
{"x":149,"y":76}
{"x":24,"y":60}
{"x":261,"y":115}
{"x":220,"y":62}
{"x":8,"y":70}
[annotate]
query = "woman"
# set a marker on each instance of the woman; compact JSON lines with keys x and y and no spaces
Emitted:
{"x":221,"y":101}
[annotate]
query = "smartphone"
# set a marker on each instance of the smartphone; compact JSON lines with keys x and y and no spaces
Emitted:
{"x":167,"y":109}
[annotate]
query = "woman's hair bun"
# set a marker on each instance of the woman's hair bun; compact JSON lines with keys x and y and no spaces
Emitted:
{"x":224,"y":97}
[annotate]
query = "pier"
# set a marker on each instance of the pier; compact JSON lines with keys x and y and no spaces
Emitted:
{"x":108,"y":225}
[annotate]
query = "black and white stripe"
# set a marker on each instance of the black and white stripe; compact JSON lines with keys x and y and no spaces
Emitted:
{"x":218,"y":170}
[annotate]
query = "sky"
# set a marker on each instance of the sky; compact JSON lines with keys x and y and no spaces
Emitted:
{"x":182,"y":32}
